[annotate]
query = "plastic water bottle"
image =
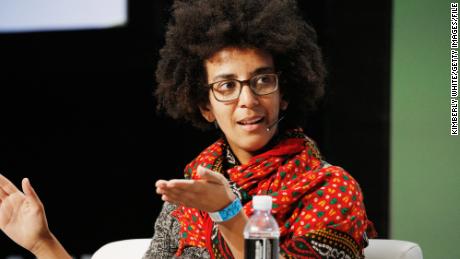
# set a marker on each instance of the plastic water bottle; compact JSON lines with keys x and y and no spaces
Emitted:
{"x":261,"y":233}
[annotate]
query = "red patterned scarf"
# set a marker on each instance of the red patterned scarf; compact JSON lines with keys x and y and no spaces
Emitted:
{"x":313,"y":202}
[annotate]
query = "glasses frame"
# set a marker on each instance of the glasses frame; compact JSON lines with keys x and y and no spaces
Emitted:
{"x":241,"y":83}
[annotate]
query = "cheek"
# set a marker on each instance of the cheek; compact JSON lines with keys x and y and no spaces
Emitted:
{"x":222,"y":112}
{"x":274,"y":105}
{"x":223,"y":116}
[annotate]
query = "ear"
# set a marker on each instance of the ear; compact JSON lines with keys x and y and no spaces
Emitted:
{"x":207,"y":113}
{"x":284,"y":104}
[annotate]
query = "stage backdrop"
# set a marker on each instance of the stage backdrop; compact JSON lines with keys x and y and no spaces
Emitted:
{"x":78,"y":118}
{"x":425,"y":172}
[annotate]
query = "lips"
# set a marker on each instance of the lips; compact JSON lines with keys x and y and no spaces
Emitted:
{"x":251,"y":120}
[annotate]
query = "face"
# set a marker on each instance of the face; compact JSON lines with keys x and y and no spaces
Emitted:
{"x":245,"y":120}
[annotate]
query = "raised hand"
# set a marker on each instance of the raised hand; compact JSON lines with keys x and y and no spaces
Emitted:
{"x":210,"y":193}
{"x":23,"y":219}
{"x":22,"y":216}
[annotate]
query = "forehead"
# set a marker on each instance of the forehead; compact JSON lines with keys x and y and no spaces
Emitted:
{"x":237,"y":61}
{"x":232,"y":53}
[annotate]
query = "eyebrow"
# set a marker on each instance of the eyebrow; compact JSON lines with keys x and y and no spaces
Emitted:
{"x":260,"y":70}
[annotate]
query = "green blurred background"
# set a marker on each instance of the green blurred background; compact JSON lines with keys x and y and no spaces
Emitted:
{"x":425,"y":175}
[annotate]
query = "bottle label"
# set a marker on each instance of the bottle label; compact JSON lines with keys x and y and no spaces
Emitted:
{"x":261,"y":248}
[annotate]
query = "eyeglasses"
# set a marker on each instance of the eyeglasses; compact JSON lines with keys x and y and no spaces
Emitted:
{"x":230,"y":90}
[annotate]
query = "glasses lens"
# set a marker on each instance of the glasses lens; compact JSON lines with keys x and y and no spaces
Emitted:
{"x":264,"y":84}
{"x":229,"y":90}
{"x":226,"y":90}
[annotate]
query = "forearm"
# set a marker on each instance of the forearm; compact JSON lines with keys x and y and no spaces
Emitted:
{"x":232,"y":232}
{"x":50,"y":248}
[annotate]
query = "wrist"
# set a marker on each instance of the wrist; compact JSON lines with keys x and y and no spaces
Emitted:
{"x":49,"y":247}
{"x":42,"y":245}
{"x":228,"y":212}
{"x":237,"y":222}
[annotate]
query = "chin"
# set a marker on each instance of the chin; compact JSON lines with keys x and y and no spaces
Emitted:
{"x":254,"y":143}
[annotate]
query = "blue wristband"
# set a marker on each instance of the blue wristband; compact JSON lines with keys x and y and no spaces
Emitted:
{"x":227,"y":213}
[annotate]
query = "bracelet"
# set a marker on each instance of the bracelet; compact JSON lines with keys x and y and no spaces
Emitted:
{"x":228,"y":212}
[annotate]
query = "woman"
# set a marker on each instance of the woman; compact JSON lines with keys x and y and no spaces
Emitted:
{"x":253,"y":70}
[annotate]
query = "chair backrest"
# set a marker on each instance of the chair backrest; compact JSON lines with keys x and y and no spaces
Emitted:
{"x":392,"y":249}
{"x":124,"y":249}
{"x":377,"y":249}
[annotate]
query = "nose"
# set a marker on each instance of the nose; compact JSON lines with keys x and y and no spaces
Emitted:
{"x":247,"y":97}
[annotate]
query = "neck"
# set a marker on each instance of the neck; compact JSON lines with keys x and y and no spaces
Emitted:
{"x":244,"y":156}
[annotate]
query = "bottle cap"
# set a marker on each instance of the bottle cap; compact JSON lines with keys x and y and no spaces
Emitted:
{"x":262,"y":202}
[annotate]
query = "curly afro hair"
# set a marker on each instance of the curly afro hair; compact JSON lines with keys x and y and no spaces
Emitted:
{"x":199,"y":28}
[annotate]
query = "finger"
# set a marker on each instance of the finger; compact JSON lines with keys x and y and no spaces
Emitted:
{"x":186,"y":186}
{"x":3,"y":195}
{"x":29,"y":191}
{"x":180,"y":183}
{"x":177,"y":199}
{"x":162,"y":190}
{"x":210,"y":176}
{"x":183,"y":185}
{"x":174,"y":191}
{"x":159,"y":190}
{"x":160,"y":183}
{"x":7,"y":186}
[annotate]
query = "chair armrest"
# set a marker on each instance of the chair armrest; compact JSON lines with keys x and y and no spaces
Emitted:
{"x":123,"y":249}
{"x":392,"y":249}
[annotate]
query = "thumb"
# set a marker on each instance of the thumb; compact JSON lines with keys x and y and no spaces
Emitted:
{"x":29,"y":191}
{"x":210,"y":176}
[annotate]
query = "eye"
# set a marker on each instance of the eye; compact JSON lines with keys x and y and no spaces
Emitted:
{"x":265,"y":80}
{"x":225,"y":86}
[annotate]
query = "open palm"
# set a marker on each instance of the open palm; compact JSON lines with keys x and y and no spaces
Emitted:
{"x":22,"y":216}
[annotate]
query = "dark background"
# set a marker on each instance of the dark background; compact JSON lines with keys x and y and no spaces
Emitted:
{"x":78,"y":118}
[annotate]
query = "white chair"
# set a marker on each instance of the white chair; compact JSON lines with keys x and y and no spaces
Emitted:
{"x":392,"y":249}
{"x":123,"y":249}
{"x":377,"y":249}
